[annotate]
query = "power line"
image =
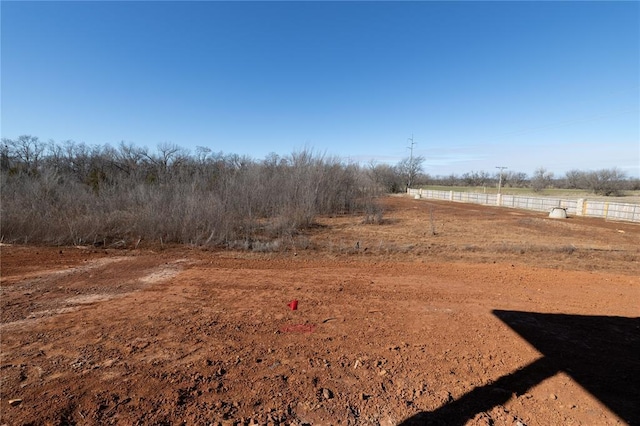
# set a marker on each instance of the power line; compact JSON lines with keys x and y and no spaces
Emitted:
{"x":500,"y":181}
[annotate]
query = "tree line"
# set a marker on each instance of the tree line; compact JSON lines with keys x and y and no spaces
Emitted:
{"x":75,"y":193}
{"x":607,"y":182}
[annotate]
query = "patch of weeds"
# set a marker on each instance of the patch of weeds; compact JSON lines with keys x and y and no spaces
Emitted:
{"x":239,"y":245}
{"x":512,"y":248}
{"x":406,"y":249}
{"x":255,"y":245}
{"x":568,"y":249}
{"x":302,"y":242}
{"x":373,"y":215}
{"x":266,"y":246}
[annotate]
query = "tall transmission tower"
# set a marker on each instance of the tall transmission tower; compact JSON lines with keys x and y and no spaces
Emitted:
{"x":411,"y":171}
{"x":411,"y":146}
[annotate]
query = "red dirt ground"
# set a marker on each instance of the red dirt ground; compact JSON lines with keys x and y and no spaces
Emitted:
{"x":416,"y":320}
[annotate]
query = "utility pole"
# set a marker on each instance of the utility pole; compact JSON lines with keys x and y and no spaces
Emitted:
{"x":410,"y":160}
{"x":500,"y":181}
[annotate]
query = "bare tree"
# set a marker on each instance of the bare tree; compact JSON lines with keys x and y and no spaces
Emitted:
{"x":385,"y":178}
{"x":515,"y":179}
{"x":5,"y":155}
{"x":575,"y":179}
{"x":541,"y":179}
{"x":203,"y":154}
{"x":128,"y":158}
{"x":451,"y":180}
{"x":26,"y":151}
{"x":481,"y":178}
{"x":606,"y":181}
{"x":410,"y":168}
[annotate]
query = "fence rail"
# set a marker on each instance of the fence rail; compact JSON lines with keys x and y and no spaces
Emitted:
{"x":581,"y":207}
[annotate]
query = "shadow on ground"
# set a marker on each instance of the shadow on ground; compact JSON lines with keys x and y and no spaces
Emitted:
{"x":601,"y":353}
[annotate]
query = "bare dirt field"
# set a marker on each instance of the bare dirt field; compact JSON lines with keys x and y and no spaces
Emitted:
{"x":443,"y":313}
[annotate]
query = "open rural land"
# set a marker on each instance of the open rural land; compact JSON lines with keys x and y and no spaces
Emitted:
{"x":434,"y":313}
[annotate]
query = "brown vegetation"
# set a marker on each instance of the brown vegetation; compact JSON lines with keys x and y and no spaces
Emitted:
{"x":77,"y":194}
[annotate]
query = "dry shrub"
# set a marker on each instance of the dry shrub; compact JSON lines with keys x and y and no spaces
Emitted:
{"x":106,"y":196}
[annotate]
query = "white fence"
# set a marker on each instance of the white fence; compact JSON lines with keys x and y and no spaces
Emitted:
{"x":580,"y":207}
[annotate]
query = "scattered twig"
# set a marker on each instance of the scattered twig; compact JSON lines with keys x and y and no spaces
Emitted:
{"x":115,"y":407}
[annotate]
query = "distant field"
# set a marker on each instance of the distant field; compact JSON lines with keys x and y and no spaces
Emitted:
{"x":627,"y":197}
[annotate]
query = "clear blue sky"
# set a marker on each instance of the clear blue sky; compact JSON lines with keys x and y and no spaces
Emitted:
{"x":478,"y":84}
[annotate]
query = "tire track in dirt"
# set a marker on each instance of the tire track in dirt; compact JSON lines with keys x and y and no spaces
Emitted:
{"x":55,"y":292}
